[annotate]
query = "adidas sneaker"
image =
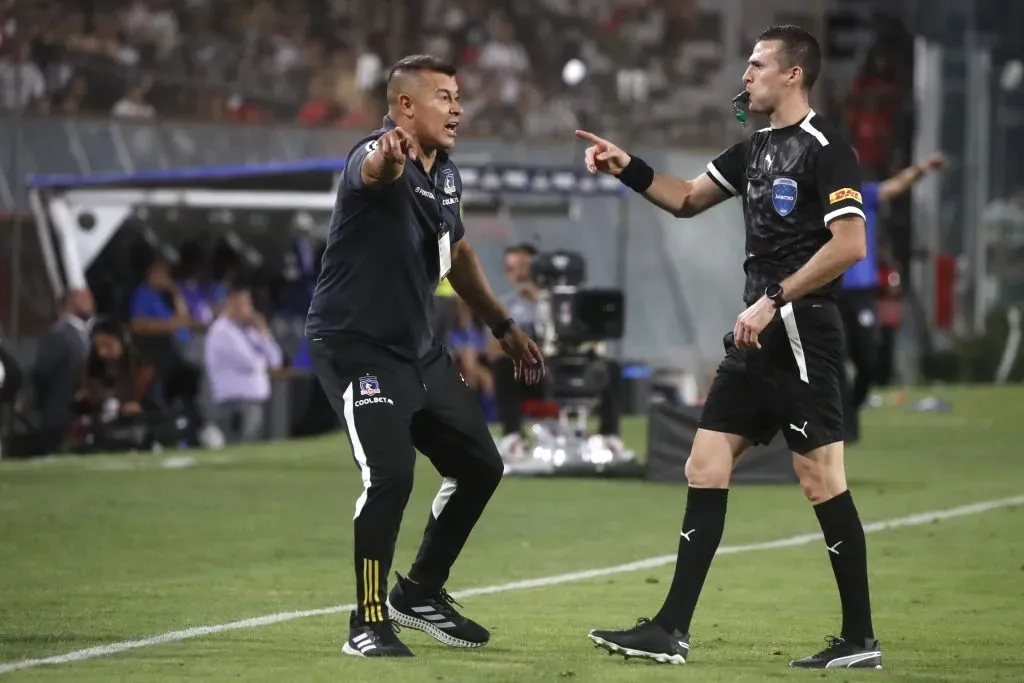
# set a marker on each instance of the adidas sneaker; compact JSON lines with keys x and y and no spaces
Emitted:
{"x":434,"y":614}
{"x":378,"y":639}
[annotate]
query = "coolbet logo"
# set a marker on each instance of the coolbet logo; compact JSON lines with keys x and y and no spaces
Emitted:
{"x":845,"y":193}
{"x":376,"y":399}
{"x":369,"y":386}
{"x":784,"y":195}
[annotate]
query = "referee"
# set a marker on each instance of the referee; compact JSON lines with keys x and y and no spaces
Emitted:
{"x":395,"y":233}
{"x":800,"y":186}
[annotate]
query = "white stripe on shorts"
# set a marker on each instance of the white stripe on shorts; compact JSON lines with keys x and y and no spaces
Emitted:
{"x":789,"y":320}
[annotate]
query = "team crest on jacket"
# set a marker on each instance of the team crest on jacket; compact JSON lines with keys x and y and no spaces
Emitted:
{"x":368,"y":386}
{"x":784,"y":195}
{"x":449,"y":181}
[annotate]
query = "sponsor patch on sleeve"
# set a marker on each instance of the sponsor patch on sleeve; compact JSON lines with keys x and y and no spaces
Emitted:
{"x":843,"y":194}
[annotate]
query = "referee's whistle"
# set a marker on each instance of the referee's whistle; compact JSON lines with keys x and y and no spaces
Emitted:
{"x":741,"y":106}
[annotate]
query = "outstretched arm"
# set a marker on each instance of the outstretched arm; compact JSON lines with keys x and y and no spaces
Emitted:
{"x":905,"y":179}
{"x":681,"y":198}
{"x":684,"y":198}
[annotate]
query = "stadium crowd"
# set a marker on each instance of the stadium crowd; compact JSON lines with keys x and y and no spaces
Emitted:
{"x":321,"y":62}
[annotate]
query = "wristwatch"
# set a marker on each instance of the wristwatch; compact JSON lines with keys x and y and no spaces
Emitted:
{"x":501,"y":328}
{"x":774,"y":292}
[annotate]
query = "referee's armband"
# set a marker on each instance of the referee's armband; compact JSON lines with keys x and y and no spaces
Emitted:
{"x":637,"y":175}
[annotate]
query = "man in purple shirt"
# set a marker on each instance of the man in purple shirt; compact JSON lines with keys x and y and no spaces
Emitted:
{"x":239,"y":355}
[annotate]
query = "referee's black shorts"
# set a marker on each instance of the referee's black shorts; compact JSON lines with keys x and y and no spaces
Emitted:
{"x":393,"y":407}
{"x":791,"y":383}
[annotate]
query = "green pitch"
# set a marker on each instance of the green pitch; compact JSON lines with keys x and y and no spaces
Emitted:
{"x":112,"y":549}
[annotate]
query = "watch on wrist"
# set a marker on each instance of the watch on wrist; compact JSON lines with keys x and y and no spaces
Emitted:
{"x":775,"y":294}
{"x":501,"y":328}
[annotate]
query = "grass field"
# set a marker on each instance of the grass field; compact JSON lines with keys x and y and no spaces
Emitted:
{"x":110,"y":549}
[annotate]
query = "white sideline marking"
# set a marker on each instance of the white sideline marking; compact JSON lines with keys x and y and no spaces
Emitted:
{"x":255,"y":622}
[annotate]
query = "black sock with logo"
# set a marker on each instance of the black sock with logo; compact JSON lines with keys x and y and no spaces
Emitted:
{"x":847,"y":550}
{"x":703,"y":524}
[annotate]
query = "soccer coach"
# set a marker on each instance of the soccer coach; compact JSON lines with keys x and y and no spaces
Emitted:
{"x":395,"y":233}
{"x":800,"y":186}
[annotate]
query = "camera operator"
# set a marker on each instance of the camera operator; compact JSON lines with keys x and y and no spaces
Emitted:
{"x":522,"y":304}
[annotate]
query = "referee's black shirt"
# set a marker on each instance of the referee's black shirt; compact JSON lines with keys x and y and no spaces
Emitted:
{"x":381,"y":265}
{"x":793,"y":181}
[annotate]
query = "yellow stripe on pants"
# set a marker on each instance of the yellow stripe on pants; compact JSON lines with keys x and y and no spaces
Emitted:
{"x":372,"y":611}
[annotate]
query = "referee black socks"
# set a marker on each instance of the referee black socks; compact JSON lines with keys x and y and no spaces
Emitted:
{"x":847,"y":550}
{"x":703,"y":524}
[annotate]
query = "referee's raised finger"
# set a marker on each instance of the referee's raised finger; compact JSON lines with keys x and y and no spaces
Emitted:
{"x":590,"y":137}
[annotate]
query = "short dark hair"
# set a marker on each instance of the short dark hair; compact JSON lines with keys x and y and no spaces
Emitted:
{"x":522,"y":248}
{"x":421,"y":63}
{"x":800,"y":48}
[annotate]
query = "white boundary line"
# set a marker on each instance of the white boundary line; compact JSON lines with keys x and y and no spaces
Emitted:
{"x":255,"y":622}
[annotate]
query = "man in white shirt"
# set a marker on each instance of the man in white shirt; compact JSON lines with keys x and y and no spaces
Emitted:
{"x":239,"y":355}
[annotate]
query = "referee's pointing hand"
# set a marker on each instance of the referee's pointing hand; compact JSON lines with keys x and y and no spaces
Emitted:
{"x":394,"y":145}
{"x":602,"y":155}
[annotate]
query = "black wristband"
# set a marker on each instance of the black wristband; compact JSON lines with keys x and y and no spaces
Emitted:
{"x":637,"y":175}
{"x":501,"y":328}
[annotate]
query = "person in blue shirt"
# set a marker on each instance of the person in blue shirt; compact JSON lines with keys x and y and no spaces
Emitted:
{"x":860,"y":287}
{"x":158,"y":307}
{"x":163,"y":329}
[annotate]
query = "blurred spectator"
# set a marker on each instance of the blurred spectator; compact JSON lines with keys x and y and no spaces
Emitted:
{"x":504,"y":59}
{"x":240,"y":353}
{"x":521,"y":301}
{"x":158,"y":307}
{"x":890,"y":315}
{"x":57,"y":369}
{"x":72,"y":99}
{"x":522,"y":304}
{"x":22,"y":85}
{"x":115,"y":393}
{"x":872,"y":104}
{"x":11,"y":380}
{"x":163,"y":330}
{"x":153,"y":24}
{"x":468,"y":341}
{"x":203,"y":299}
{"x":133,"y":105}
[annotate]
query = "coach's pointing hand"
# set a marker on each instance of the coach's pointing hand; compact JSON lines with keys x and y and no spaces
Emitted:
{"x":751,"y":322}
{"x":394,"y":145}
{"x":602,"y":155}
